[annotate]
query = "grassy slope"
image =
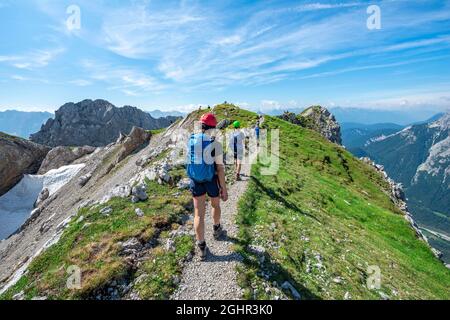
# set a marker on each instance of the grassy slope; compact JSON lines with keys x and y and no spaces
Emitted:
{"x":93,"y":244}
{"x":324,"y":201}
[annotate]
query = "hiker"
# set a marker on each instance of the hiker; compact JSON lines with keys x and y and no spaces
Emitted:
{"x":237,"y":145}
{"x":206,"y":170}
{"x":257,"y":133}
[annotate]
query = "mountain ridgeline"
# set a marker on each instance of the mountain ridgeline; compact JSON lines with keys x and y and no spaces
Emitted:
{"x":313,"y":230}
{"x":94,"y":123}
{"x":355,"y":136}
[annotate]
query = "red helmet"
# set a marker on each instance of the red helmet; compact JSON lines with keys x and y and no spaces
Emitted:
{"x":209,"y":119}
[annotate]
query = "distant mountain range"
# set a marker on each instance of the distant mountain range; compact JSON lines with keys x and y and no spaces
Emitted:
{"x":370,"y":116}
{"x":22,"y":124}
{"x":356,"y":135}
{"x":418,"y":156}
{"x":161,"y":114}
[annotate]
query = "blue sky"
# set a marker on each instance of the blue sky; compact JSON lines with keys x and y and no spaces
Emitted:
{"x":176,"y":55}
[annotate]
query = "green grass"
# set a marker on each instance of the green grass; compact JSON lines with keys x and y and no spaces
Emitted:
{"x":324,"y":201}
{"x":233,"y":113}
{"x":162,"y":268}
{"x":9,"y":137}
{"x":93,"y":244}
{"x":156,"y":131}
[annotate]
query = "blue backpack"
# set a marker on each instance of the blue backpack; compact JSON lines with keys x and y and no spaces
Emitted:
{"x":197,"y":168}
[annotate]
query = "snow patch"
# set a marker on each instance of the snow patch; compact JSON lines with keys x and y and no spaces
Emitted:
{"x":437,"y":160}
{"x":17,"y":204}
{"x":405,"y":133}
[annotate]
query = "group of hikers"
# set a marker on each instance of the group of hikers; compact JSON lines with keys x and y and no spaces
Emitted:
{"x":206,"y":170}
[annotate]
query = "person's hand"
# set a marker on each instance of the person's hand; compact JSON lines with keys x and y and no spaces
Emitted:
{"x":224,"y":194}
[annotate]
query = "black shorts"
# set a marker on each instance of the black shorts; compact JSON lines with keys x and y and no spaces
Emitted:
{"x":211,"y":188}
{"x":238,"y":156}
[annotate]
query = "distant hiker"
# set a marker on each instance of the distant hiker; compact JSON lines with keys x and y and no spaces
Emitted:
{"x":206,"y":170}
{"x":257,"y":133}
{"x":237,"y":141}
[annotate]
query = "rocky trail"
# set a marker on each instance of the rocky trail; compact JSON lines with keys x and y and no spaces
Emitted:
{"x":216,"y":278}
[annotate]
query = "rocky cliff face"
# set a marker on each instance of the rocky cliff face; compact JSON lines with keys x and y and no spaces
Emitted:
{"x":18,"y":157}
{"x":94,"y":123}
{"x":319,"y":119}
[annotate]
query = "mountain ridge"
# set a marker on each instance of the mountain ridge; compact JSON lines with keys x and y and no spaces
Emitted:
{"x":310,"y":231}
{"x":95,"y":123}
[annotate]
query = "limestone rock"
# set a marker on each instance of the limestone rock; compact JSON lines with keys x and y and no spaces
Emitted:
{"x":84,"y":179}
{"x":288,"y":286}
{"x":136,"y":138}
{"x":94,"y":123}
{"x":18,"y":157}
{"x":43,"y":195}
{"x":139,"y":212}
{"x":223,"y":124}
{"x":62,"y":156}
{"x":321,"y":120}
{"x":139,"y":192}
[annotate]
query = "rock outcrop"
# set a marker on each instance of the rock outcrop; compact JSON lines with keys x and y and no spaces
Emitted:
{"x":319,"y":119}
{"x":62,"y":156}
{"x":290,"y":117}
{"x":18,"y":157}
{"x":130,"y":143}
{"x":94,"y":123}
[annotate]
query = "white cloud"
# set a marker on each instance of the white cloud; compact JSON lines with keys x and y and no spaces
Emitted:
{"x":267,"y":105}
{"x":325,"y":6}
{"x":194,"y":46}
{"x":130,"y":81}
{"x":229,"y":41}
{"x":19,"y":78}
{"x":32,"y":60}
{"x":425,"y":100}
{"x":81,"y":82}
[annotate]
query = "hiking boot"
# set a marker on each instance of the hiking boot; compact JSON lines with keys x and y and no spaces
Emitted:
{"x":238,"y":177}
{"x":218,"y":231}
{"x":202,"y":250}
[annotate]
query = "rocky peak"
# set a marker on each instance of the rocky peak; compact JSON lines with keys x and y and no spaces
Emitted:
{"x":319,"y":119}
{"x":94,"y":123}
{"x":443,"y":123}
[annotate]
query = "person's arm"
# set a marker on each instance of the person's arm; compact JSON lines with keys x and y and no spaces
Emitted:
{"x":222,"y":182}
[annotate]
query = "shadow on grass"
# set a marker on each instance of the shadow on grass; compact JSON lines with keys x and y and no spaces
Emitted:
{"x":277,"y":273}
{"x":281,"y":274}
{"x":272,"y":194}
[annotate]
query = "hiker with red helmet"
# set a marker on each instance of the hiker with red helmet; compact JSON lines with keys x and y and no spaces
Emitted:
{"x":206,"y":170}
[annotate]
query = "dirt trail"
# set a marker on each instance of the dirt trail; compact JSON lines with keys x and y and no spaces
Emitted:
{"x":216,"y":277}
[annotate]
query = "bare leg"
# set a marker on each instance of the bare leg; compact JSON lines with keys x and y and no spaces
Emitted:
{"x":199,"y":217}
{"x":216,"y":212}
{"x":238,"y":167}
